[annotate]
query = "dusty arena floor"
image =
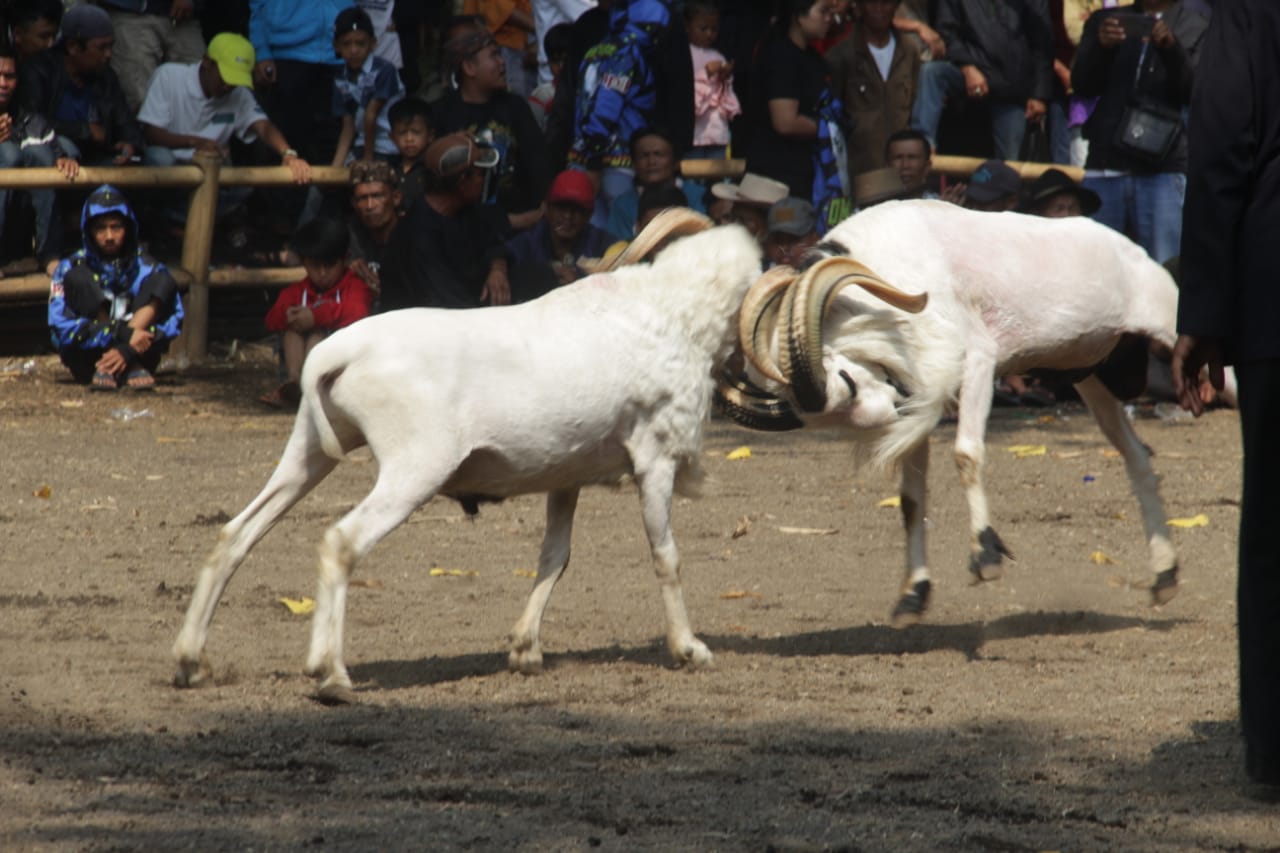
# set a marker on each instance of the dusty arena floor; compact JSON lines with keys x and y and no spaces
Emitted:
{"x":1053,"y":709}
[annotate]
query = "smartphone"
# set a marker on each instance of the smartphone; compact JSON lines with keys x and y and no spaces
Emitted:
{"x":1136,"y":25}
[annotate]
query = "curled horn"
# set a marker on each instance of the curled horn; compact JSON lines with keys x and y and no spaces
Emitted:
{"x":753,"y":407}
{"x":670,"y":224}
{"x":758,"y":319}
{"x":803,"y":308}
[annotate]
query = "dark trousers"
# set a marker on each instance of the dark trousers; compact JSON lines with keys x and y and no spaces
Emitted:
{"x":1258,"y":590}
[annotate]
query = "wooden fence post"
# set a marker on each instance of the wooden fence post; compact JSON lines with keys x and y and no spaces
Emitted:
{"x":197,"y":245}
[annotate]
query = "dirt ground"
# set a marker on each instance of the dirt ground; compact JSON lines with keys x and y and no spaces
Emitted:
{"x":1053,"y":709}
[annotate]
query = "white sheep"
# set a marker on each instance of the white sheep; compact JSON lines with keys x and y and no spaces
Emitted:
{"x":1006,"y":294}
{"x":610,"y":376}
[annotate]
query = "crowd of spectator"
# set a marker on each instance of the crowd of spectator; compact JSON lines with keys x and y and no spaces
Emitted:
{"x":544,"y":130}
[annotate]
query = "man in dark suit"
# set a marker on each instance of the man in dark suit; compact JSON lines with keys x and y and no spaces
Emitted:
{"x":1229,"y":312}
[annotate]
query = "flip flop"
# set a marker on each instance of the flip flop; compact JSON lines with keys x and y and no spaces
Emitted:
{"x":103,"y":381}
{"x":140,"y":379}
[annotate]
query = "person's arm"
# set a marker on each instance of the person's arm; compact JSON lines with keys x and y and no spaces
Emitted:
{"x":370,"y":121}
{"x":497,"y":286}
{"x":67,"y":327}
{"x":277,"y":319}
{"x":271,"y":135}
{"x":931,"y":38}
{"x":1038,"y":32}
{"x":126,"y":134}
{"x":784,"y":115}
{"x":168,"y":139}
{"x":1095,"y":54}
{"x":345,"y":138}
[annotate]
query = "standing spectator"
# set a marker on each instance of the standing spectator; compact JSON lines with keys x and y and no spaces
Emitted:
{"x":33,"y":25}
{"x":482,"y":106}
{"x":874,"y":72}
{"x":411,"y":132}
{"x":909,"y":153}
{"x":1149,"y":64}
{"x":798,"y":134}
{"x":547,"y":255}
{"x":654,"y":160}
{"x":200,"y":107}
{"x":388,"y":46}
{"x":72,"y":85}
{"x":27,"y":140}
{"x":112,"y":309}
{"x":544,"y":94}
{"x":548,"y":13}
{"x":1227,"y":313}
{"x":999,"y":54}
{"x":714,"y":101}
{"x":331,"y":297}
{"x":591,"y":28}
{"x":364,"y":86}
{"x":510,"y":22}
{"x":149,"y":32}
{"x":457,"y":248}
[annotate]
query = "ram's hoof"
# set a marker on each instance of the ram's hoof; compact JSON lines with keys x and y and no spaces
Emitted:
{"x":911,"y":606}
{"x":525,"y":661}
{"x":191,"y":673}
{"x":1165,"y":586}
{"x":986,"y":562}
{"x":335,"y":693}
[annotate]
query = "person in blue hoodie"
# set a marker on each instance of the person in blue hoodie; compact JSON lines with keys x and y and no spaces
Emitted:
{"x":112,"y":309}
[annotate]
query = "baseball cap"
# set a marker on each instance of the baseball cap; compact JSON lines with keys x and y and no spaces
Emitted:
{"x":792,"y":216}
{"x":84,"y":22}
{"x":453,"y":154}
{"x":234,"y":57}
{"x":992,"y":180}
{"x":574,"y":187}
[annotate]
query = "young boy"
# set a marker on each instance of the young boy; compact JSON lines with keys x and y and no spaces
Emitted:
{"x":411,"y":132}
{"x":329,"y":298}
{"x":112,"y":309}
{"x":365,"y":85}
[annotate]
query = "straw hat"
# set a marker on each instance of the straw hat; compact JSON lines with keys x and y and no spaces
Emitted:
{"x":754,"y":189}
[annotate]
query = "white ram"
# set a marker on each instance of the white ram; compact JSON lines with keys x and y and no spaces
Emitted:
{"x":607,"y":377}
{"x":1006,"y":294}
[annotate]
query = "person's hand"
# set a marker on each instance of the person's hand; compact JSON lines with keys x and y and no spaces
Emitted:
{"x":180,"y":10}
{"x":300,"y":168}
{"x":1161,"y":36}
{"x":1063,"y":72}
{"x":497,"y":290}
{"x":1191,"y":355}
{"x":1036,"y":109}
{"x":361,"y":268}
{"x":111,"y":362}
{"x":975,"y":82}
{"x":68,"y":167}
{"x":933,"y":41}
{"x":1110,"y":33}
{"x":300,"y":319}
{"x":954,"y":193}
{"x":124,"y":153}
{"x":6,"y":126}
{"x":97,"y":133}
{"x":141,"y":340}
{"x":199,"y":143}
{"x":264,"y":73}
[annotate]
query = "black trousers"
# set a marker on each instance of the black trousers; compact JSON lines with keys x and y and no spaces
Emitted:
{"x":1258,"y":590}
{"x":85,"y":297}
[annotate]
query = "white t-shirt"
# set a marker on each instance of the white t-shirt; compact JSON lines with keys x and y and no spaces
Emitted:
{"x":176,"y":103}
{"x":883,"y":56}
{"x":388,"y":46}
{"x":548,"y":13}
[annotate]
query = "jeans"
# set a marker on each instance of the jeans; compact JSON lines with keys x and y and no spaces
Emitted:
{"x":13,"y":156}
{"x":1147,"y":208}
{"x":942,"y":80}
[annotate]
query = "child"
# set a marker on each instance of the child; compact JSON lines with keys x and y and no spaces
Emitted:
{"x":112,"y":309}
{"x":714,"y":102}
{"x":411,"y":131}
{"x":365,"y":84}
{"x":556,"y":45}
{"x":329,"y":298}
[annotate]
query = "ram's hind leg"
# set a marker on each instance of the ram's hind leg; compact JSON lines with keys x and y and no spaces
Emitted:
{"x":986,"y":550}
{"x":916,"y":588}
{"x":526,"y":646}
{"x":1146,"y":485}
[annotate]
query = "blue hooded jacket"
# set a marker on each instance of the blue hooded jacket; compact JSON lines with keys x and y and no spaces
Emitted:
{"x":120,"y":279}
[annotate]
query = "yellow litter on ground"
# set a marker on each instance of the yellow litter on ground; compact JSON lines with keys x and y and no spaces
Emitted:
{"x":743,"y":452}
{"x":890,"y":503}
{"x":1098,"y":558}
{"x":453,"y":573}
{"x":1022,"y":451}
{"x":298,"y":606}
{"x":1200,"y":520}
{"x":525,"y":573}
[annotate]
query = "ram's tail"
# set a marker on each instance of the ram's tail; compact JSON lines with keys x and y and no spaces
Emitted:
{"x":324,"y":367}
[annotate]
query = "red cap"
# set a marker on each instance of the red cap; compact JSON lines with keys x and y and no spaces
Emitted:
{"x":573,"y":186}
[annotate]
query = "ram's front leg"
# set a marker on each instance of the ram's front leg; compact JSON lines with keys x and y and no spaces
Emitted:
{"x":916,"y":588}
{"x":986,"y":550}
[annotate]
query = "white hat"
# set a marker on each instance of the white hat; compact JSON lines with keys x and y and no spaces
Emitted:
{"x":754,"y":189}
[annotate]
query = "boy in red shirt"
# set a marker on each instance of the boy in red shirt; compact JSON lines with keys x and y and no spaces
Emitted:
{"x":329,"y":298}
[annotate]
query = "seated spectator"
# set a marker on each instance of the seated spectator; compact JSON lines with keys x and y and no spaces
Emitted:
{"x":546,"y":256}
{"x":511,"y":24}
{"x":73,"y":86}
{"x":880,"y":185}
{"x":1055,"y":195}
{"x":362,"y":88}
{"x":112,"y":309}
{"x":331,"y":297}
{"x":375,"y":230}
{"x":653,"y":157}
{"x":200,"y":107}
{"x":751,"y":199}
{"x":457,"y":247}
{"x":482,"y":106}
{"x":791,"y":231}
{"x":411,"y":133}
{"x":33,"y":25}
{"x":719,"y":209}
{"x":994,"y":186}
{"x":909,"y":153}
{"x":873,"y":73}
{"x":27,"y":140}
{"x":148,"y":33}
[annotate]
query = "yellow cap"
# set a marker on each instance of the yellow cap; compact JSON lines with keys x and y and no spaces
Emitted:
{"x":234,"y":56}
